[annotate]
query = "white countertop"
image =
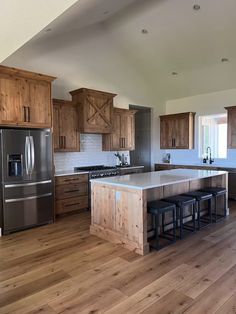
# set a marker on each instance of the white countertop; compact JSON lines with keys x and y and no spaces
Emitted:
{"x":69,"y":173}
{"x":148,"y":180}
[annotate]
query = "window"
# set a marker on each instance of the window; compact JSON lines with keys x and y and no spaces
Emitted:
{"x":213,"y":133}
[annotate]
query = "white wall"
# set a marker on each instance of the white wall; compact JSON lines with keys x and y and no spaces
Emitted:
{"x":205,"y":104}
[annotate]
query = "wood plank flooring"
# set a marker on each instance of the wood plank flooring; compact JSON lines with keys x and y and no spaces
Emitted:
{"x":61,"y":268}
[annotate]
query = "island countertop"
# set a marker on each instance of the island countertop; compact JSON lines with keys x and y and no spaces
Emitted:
{"x":149,"y":180}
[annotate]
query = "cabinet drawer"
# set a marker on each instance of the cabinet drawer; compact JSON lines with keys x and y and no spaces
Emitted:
{"x":71,"y":204}
{"x":71,"y":179}
{"x":71,"y":190}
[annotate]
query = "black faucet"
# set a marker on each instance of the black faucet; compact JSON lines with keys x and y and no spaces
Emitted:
{"x":209,"y":160}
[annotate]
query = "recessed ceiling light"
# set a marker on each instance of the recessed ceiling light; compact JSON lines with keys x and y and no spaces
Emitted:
{"x":174,"y":73}
{"x":144,"y":31}
{"x":196,"y":7}
{"x":47,"y":30}
{"x":105,"y":12}
{"x":224,"y":60}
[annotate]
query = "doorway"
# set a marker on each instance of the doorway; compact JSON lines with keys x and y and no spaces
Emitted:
{"x":141,"y":156}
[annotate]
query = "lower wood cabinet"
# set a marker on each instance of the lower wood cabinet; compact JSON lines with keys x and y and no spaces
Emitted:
{"x":130,"y":171}
{"x":71,"y":193}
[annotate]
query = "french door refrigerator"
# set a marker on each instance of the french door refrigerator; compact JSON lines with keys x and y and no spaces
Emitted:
{"x":26,"y":178}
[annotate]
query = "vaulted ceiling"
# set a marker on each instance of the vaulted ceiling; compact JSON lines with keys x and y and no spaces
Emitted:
{"x":97,"y":41}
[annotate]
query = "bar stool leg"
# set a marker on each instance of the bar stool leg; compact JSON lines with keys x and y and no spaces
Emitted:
{"x":163,"y":222}
{"x":225,"y":205}
{"x":157,"y":227}
{"x":210,"y":210}
{"x":198,"y":214}
{"x":174,"y":224}
{"x":181,"y":222}
{"x":194,"y":216}
{"x":216,"y":208}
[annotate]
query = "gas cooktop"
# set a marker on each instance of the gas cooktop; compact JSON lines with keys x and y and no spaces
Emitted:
{"x":94,"y":168}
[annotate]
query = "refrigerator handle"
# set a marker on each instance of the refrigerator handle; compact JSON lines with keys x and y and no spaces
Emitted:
{"x":32,"y":150}
{"x":27,"y":155}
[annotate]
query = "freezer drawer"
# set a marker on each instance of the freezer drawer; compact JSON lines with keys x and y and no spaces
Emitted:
{"x":25,"y":212}
{"x":27,"y":189}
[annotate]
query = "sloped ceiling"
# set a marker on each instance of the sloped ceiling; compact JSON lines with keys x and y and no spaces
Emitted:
{"x":20,"y":20}
{"x":100,"y":43}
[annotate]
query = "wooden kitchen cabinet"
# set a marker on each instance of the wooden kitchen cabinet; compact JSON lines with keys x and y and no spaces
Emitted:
{"x":177,"y":131}
{"x":123,"y":134}
{"x":25,"y":98}
{"x":65,"y":126}
{"x":95,"y":110}
{"x":231,"y":126}
{"x":71,"y":193}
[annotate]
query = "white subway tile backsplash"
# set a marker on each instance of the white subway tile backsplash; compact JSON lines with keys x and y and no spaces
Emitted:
{"x":90,"y":154}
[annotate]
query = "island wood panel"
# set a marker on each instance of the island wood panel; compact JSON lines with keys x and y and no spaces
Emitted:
{"x":120,"y":215}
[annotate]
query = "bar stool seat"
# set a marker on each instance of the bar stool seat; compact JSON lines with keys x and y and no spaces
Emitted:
{"x":200,"y":197}
{"x":217,"y":192}
{"x":156,"y":208}
{"x":181,"y":203}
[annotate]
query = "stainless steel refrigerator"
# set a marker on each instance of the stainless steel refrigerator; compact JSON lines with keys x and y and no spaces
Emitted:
{"x":26,"y":178}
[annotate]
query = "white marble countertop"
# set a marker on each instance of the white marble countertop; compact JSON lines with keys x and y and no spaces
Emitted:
{"x":148,"y":180}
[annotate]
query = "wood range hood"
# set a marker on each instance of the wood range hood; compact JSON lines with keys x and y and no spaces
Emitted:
{"x":95,"y":110}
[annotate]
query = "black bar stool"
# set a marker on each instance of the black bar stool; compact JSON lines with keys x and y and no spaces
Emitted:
{"x":200,"y":197}
{"x":217,"y":192}
{"x":181,"y":203}
{"x":156,"y":208}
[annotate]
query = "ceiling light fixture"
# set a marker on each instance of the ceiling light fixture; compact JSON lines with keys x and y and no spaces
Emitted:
{"x":196,"y":7}
{"x":144,"y":31}
{"x":47,"y":30}
{"x":105,"y":12}
{"x":174,"y":73}
{"x":224,"y":60}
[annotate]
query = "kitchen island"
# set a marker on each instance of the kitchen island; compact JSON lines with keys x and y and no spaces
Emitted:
{"x":119,"y":204}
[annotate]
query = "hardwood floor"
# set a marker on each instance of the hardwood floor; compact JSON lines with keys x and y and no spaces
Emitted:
{"x":61,"y":268}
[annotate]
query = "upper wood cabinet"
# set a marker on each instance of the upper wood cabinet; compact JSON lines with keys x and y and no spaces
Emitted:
{"x":123,"y":134}
{"x":231,"y":126}
{"x":95,"y":110}
{"x":25,"y":98}
{"x":65,"y":126}
{"x":177,"y":131}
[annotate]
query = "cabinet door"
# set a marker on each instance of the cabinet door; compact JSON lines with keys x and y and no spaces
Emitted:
{"x":167,"y":131}
{"x":116,"y":134}
{"x":127,"y":132}
{"x":39,"y":114}
{"x":181,"y":134}
{"x":10,"y":101}
{"x":56,"y":130}
{"x":68,"y":128}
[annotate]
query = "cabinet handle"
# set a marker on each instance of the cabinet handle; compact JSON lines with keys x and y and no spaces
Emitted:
{"x":174,"y":142}
{"x":68,"y":205}
{"x":124,"y":143}
{"x":28,"y":109}
{"x":120,"y":142}
{"x":61,"y":142}
{"x":24,"y":113}
{"x":64,"y":142}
